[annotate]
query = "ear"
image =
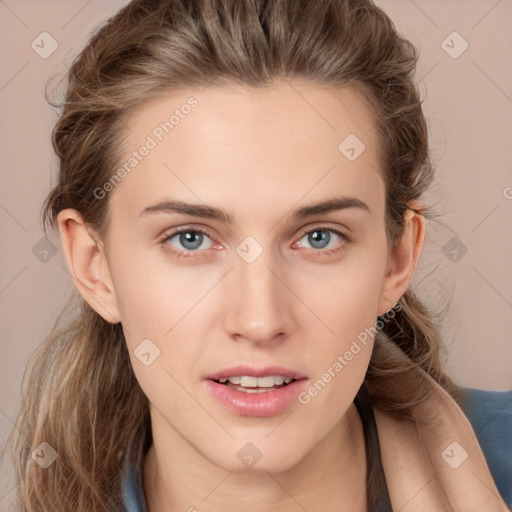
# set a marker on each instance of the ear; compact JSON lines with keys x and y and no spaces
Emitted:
{"x":85,"y":256}
{"x":403,"y":260}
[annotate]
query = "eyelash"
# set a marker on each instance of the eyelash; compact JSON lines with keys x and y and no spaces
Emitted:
{"x":191,"y":254}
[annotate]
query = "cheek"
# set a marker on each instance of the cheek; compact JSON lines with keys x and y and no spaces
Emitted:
{"x":346,"y":299}
{"x":153,"y":293}
{"x":347,"y":304}
{"x":161,"y":306}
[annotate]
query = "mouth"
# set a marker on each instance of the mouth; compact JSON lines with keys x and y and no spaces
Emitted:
{"x":247,"y":391}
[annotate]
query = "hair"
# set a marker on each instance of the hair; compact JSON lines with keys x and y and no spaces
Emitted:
{"x":79,"y":392}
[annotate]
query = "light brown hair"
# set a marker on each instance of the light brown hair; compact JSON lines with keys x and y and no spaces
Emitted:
{"x":79,"y":393}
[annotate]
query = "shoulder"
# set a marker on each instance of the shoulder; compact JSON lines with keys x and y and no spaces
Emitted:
{"x":490,"y":415}
{"x":481,"y":418}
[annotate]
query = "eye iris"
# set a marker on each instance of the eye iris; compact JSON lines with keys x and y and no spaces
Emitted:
{"x":188,"y":237}
{"x":324,"y":235}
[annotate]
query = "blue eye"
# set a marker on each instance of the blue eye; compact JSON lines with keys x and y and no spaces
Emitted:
{"x":319,"y":238}
{"x":190,"y":239}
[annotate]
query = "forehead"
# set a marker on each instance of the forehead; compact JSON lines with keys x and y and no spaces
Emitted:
{"x":250,"y":148}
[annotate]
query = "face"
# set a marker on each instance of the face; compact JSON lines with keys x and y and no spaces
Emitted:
{"x":267,"y":287}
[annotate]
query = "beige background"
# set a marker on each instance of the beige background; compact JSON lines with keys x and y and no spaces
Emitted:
{"x":468,"y":102}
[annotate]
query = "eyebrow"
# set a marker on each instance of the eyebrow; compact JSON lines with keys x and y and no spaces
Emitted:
{"x":200,"y":210}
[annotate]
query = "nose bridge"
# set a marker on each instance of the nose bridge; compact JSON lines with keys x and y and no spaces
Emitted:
{"x":259,"y":300}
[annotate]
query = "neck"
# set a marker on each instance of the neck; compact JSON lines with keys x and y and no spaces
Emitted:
{"x":331,"y":477}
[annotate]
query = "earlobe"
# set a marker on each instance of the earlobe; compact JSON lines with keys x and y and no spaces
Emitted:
{"x":403,"y":261}
{"x":88,"y":265}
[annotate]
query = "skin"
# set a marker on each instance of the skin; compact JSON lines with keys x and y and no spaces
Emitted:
{"x":258,"y":154}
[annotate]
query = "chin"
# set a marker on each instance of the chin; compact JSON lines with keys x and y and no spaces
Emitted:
{"x":249,"y":459}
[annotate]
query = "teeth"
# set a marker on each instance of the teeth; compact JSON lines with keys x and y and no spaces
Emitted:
{"x":248,"y":382}
{"x":257,"y":382}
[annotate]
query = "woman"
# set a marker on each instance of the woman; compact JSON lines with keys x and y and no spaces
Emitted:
{"x":239,"y":200}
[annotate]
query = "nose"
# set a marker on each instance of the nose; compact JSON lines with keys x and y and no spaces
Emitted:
{"x":260,"y":302}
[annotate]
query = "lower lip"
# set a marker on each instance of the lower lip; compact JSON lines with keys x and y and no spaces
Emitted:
{"x":268,"y":403}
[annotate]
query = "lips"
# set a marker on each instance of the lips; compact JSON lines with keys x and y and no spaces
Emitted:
{"x":249,"y":391}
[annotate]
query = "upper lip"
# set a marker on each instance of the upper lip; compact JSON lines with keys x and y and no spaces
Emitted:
{"x":251,"y":371}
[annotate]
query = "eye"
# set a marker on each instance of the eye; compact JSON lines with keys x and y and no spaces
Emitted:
{"x":190,"y":239}
{"x":320,"y":237}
